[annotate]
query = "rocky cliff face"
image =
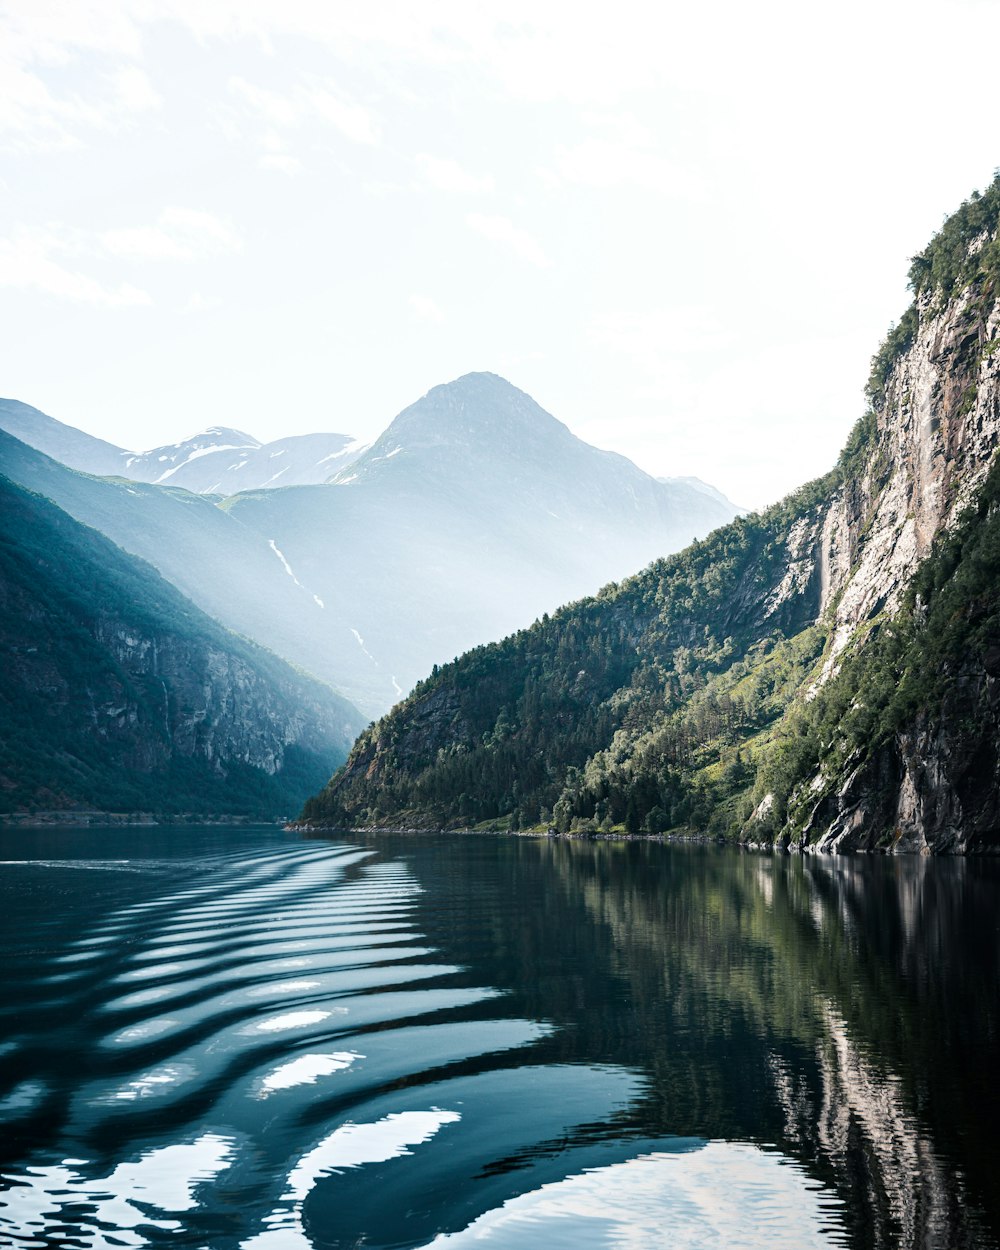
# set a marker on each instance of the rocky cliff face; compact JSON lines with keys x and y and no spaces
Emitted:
{"x":217,"y":706}
{"x":118,"y":694}
{"x":932,"y":786}
{"x":934,"y":432}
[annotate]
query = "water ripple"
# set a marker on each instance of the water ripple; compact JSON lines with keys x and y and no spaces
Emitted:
{"x":250,"y":1051}
{"x":249,"y":986}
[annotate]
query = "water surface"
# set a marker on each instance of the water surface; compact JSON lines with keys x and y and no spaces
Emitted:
{"x":224,"y":1039}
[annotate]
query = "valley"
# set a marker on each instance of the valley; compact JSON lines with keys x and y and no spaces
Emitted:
{"x":472,"y":514}
{"x":817,"y":675}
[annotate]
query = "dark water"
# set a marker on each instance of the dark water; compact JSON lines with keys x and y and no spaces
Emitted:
{"x":247,"y":1039}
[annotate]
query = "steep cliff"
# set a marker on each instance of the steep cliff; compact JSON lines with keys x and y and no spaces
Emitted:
{"x":116,"y":693}
{"x":750,"y":685}
{"x":896,"y":743}
{"x":899,"y":746}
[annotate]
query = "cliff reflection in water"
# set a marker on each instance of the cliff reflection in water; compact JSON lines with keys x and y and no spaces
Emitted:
{"x":841,"y":1009}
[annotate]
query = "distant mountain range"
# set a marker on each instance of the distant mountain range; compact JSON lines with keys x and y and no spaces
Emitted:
{"x":118,"y":694}
{"x":473,"y":513}
{"x":219,"y":460}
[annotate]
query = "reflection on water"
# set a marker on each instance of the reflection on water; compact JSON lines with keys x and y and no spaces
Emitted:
{"x":725,"y":1194}
{"x":234,"y":1039}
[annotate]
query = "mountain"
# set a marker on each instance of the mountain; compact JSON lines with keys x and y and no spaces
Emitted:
{"x":824,"y":673}
{"x":695,"y":483}
{"x":216,"y":461}
{"x":117,"y":694}
{"x":62,"y":442}
{"x":223,"y":461}
{"x":474,"y":512}
{"x":231,"y":572}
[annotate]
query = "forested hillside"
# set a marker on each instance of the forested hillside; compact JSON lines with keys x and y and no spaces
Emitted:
{"x":118,"y":694}
{"x":820,"y":672}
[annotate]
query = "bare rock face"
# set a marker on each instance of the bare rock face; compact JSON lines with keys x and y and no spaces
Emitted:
{"x":936,"y":430}
{"x":935,"y":787}
{"x":216,"y":705}
{"x":935,"y":438}
{"x":935,"y":435}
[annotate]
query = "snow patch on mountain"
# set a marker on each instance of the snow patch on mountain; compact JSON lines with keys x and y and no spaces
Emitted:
{"x":204,"y":463}
{"x":361,"y":644}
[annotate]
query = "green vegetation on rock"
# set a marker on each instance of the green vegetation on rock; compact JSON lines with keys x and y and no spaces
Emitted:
{"x":931,"y":667}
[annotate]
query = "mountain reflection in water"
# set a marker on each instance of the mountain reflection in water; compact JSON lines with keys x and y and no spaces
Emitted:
{"x":236,"y":1039}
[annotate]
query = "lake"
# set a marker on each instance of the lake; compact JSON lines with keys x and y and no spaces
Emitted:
{"x":253,"y":1039}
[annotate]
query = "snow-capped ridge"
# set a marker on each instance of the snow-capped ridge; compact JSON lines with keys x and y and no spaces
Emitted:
{"x":219,"y":459}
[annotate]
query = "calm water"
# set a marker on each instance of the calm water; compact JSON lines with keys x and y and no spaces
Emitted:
{"x":248,"y":1039}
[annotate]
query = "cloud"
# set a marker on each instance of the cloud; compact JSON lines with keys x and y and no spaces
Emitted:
{"x":202,"y":303}
{"x":444,"y":174}
{"x":270,"y":106}
{"x":313,"y":99}
{"x":281,"y":161}
{"x":133,"y":91}
{"x":425,"y":308}
{"x":178,"y":234}
{"x":32,"y":117}
{"x":605,"y":163}
{"x":352,"y":120}
{"x":502,"y":230}
{"x":34,"y":47}
{"x":48,"y":259}
{"x":27,"y":263}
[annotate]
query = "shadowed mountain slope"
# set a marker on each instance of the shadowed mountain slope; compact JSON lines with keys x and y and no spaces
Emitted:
{"x":228,"y":570}
{"x":117,"y":693}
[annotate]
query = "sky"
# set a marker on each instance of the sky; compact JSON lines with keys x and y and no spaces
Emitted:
{"x":683,"y":229}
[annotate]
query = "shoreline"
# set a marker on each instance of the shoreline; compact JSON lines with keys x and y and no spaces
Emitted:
{"x":85,"y":818}
{"x":667,"y":839}
{"x":69,"y":819}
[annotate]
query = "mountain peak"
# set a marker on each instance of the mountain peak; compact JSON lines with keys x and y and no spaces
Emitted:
{"x":479,"y":382}
{"x":477,"y":413}
{"x":219,"y":436}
